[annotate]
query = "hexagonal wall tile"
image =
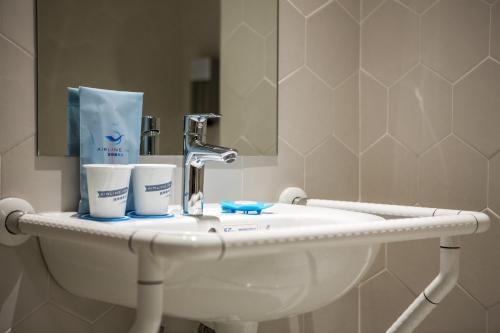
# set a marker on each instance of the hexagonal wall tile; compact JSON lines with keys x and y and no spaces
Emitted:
{"x":231,"y":18}
{"x":306,"y":111}
{"x":119,"y":319}
{"x":346,"y":112}
{"x":332,"y":172}
{"x":476,"y":103}
{"x":389,"y":40}
{"x":284,"y":325}
{"x":336,"y":60}
{"x":368,"y":6}
{"x":388,"y":173}
{"x":373,"y":110}
{"x":308,"y":6}
{"x":84,"y":308}
{"x":383,"y":299}
{"x":261,"y":124}
{"x":378,"y":263}
{"x":494,"y":184}
{"x":452,"y":175}
{"x":272,"y":57}
{"x":479,"y":264}
{"x":261,"y":15}
{"x":419,"y":5}
{"x":24,"y":283}
{"x":458,"y":312}
{"x":233,"y":124}
{"x":420,"y":109}
{"x":458,"y":46}
{"x":50,"y":319}
{"x":264,"y":177}
{"x":291,"y":41}
{"x":495,"y":31}
{"x":16,"y":22}
{"x":494,"y":319}
{"x":416,"y":263}
{"x":338,"y":316}
{"x":47,"y":183}
{"x":246,"y":60}
{"x":352,"y":6}
{"x":17,"y":95}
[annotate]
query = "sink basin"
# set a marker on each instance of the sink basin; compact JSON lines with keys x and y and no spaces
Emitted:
{"x":235,"y":270}
{"x":262,"y":262}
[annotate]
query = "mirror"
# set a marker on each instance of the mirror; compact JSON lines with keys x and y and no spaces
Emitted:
{"x":187,"y":56}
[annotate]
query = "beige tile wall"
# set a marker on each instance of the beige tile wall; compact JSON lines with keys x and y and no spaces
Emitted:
{"x":430,"y":111}
{"x":369,"y":79}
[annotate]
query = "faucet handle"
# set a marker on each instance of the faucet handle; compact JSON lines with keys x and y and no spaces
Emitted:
{"x":197,"y":123}
{"x":202,"y":117}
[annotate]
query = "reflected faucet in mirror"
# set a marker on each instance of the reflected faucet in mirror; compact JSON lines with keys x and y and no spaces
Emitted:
{"x":150,"y":135}
{"x":196,"y":153}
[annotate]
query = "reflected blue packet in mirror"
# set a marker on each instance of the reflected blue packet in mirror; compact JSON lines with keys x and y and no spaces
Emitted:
{"x":110,"y":126}
{"x":73,"y":134}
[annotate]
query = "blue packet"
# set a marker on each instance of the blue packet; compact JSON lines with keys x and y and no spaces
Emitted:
{"x":73,"y":134}
{"x":110,"y":127}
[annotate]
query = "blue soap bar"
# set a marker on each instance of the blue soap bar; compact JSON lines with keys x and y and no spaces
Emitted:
{"x":245,"y":207}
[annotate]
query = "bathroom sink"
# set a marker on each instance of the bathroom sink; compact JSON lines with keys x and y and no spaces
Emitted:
{"x":235,"y":270}
{"x":270,"y":276}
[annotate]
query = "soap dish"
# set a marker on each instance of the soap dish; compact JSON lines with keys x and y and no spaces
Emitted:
{"x":246,"y":207}
{"x":133,"y":215}
{"x":103,"y":219}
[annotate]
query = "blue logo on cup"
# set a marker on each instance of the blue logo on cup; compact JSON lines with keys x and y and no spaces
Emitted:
{"x":116,"y":138}
{"x":162,"y":188}
{"x":112,"y":193}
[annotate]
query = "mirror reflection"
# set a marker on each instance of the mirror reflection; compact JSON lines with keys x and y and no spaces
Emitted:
{"x":187,"y":56}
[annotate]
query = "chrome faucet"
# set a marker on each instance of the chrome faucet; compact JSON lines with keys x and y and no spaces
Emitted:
{"x":196,"y":153}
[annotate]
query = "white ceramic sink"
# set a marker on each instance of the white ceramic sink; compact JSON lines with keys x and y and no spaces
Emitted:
{"x":236,"y":270}
{"x":269,"y":283}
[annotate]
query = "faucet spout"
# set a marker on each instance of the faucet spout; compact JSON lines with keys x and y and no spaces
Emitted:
{"x":203,"y":152}
{"x":196,"y":153}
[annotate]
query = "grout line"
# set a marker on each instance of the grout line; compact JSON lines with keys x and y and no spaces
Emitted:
{"x":404,"y":75}
{"x":430,"y":7}
{"x":370,"y":146}
{"x":468,"y":145}
{"x":403,"y":283}
{"x":319,"y":77}
{"x":104,"y":314}
{"x":374,"y":78}
{"x":433,"y":71}
{"x":287,"y":76}
{"x":490,"y":32}
{"x":344,"y":81}
{"x":18,"y":46}
{"x":320,"y":8}
{"x":29,"y":314}
{"x":347,"y":12}
{"x":407,"y":7}
{"x":494,"y":60}
{"x":359,"y":309}
{"x":471,"y":70}
{"x":373,"y":11}
{"x":291,"y":146}
{"x":317,"y":146}
{"x":32,"y":135}
{"x":435,"y":144}
{"x":466,"y":292}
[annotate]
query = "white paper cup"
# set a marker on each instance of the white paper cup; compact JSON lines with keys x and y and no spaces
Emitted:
{"x":108,"y":189}
{"x":152,"y":188}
